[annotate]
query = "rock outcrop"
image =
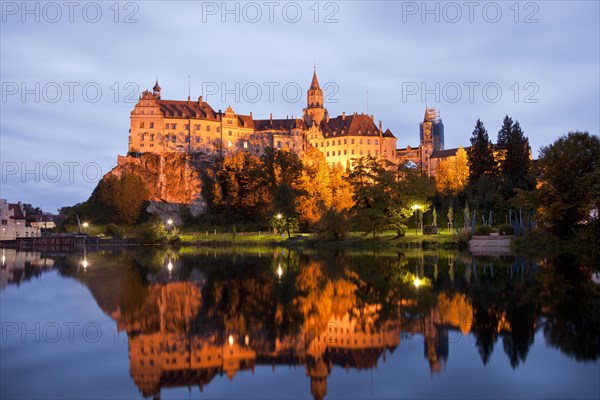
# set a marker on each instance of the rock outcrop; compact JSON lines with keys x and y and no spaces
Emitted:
{"x":172,"y":179}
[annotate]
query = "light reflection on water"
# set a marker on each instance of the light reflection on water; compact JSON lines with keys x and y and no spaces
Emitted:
{"x":263,"y":322}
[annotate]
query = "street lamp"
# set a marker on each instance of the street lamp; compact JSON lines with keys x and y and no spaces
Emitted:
{"x":279,"y":216}
{"x":169,"y":223}
{"x":416,"y":209}
{"x":85,"y":225}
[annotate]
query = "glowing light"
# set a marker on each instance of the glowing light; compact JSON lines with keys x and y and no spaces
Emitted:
{"x":230,"y":340}
{"x":279,"y":271}
{"x":84,"y":263}
{"x":85,"y":224}
{"x":169,"y":222}
{"x":279,"y":216}
{"x":417,"y":282}
{"x":416,"y":207}
{"x":170,"y":266}
{"x":247,"y":340}
{"x":3,"y":258}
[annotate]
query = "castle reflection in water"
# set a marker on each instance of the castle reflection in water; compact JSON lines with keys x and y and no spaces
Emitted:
{"x":193,"y":316}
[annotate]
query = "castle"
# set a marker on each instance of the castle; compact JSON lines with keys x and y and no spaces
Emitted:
{"x":166,"y":126}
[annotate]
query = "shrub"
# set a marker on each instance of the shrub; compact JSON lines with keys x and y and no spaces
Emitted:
{"x":114,"y":230}
{"x":506,"y":230}
{"x":483,"y":230}
{"x":152,"y":233}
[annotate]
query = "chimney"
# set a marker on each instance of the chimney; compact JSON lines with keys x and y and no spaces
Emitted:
{"x":380,"y":130}
{"x":250,"y":114}
{"x":200,"y":100}
{"x":271,"y":117}
{"x":355,"y":113}
{"x":343,"y":115}
{"x":189,"y":98}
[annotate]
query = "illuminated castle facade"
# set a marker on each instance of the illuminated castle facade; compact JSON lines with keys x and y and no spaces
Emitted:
{"x":164,"y":126}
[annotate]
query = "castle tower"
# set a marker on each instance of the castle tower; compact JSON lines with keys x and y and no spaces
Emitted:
{"x":432,"y":137}
{"x":156,"y":89}
{"x":314,"y":101}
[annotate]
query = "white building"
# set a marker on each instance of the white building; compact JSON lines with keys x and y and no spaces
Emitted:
{"x":12,"y":222}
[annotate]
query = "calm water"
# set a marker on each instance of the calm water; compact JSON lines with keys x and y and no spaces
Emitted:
{"x":265,"y":323}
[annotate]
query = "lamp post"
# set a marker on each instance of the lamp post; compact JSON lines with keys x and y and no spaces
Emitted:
{"x":416,"y":209}
{"x":169,"y":223}
{"x":85,"y":225}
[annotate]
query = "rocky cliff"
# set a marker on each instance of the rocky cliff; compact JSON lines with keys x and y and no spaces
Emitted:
{"x":172,"y":179}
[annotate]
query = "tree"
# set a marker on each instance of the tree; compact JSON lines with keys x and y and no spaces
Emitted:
{"x":516,"y":164}
{"x":481,"y":159}
{"x":569,"y":181}
{"x":453,"y":173}
{"x":119,"y":200}
{"x":31,"y":210}
{"x":372,"y":182}
{"x":314,"y":189}
{"x":284,"y":206}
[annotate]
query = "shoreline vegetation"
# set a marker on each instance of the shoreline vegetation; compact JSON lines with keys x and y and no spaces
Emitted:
{"x":537,"y":243}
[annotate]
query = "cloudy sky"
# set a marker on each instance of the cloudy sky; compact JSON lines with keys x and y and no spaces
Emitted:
{"x":71,"y":72}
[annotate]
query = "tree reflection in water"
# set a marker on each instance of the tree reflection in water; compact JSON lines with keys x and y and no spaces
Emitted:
{"x":220,"y":312}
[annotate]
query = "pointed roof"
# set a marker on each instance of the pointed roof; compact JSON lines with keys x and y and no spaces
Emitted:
{"x":315,"y":82}
{"x":156,"y":87}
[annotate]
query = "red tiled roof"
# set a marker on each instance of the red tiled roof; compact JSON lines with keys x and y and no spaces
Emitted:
{"x":353,"y":125}
{"x":185,"y":109}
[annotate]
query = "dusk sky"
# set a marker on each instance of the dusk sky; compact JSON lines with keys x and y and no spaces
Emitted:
{"x":72,"y":73}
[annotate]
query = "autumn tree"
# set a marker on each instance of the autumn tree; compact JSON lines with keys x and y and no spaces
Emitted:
{"x":315,"y":194}
{"x":452,"y":173}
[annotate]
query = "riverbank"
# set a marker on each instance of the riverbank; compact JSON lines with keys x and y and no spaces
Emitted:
{"x":355,"y":240}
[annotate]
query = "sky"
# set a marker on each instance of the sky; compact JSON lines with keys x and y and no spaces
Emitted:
{"x":71,"y":72}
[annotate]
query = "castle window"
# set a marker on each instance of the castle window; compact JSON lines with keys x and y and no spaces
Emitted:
{"x":352,"y":142}
{"x":151,"y":112}
{"x":166,"y":126}
{"x":345,"y":152}
{"x":345,"y":141}
{"x":142,"y":136}
{"x":197,"y":127}
{"x":186,"y":126}
{"x":229,"y":122}
{"x":173,"y":126}
{"x":230,"y":134}
{"x":339,"y":141}
{"x":352,"y":151}
{"x":173,"y":138}
{"x":167,"y":138}
{"x":327,"y":154}
{"x":141,"y":124}
{"x":360,"y":142}
{"x":339,"y":152}
{"x":187,"y":139}
{"x":198,"y":139}
{"x":152,"y":136}
{"x":218,"y":129}
{"x":278,"y":144}
{"x":368,"y":141}
{"x":327,"y":144}
{"x":207,"y":128}
{"x":376,"y":141}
